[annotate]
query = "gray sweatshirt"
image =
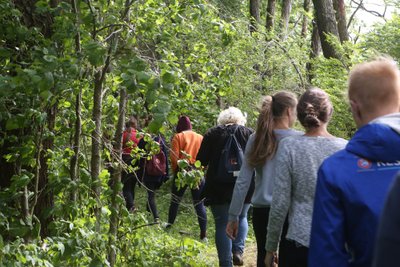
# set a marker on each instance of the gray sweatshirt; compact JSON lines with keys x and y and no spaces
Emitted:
{"x":297,"y":161}
{"x":262,"y":195}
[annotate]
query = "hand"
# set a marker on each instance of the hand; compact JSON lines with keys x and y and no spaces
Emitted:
{"x":271,"y":259}
{"x":232,"y":229}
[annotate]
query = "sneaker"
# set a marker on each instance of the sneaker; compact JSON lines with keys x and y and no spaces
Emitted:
{"x":237,"y":259}
{"x":204,"y":240}
{"x":166,"y":225}
{"x":133,"y":209}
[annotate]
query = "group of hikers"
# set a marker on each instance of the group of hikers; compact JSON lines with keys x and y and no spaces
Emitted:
{"x":317,"y":200}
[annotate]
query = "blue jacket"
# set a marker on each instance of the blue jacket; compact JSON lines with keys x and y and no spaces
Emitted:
{"x":351,"y":190}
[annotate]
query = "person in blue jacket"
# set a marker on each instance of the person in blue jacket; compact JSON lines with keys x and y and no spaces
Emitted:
{"x":388,"y":238}
{"x":353,"y":183}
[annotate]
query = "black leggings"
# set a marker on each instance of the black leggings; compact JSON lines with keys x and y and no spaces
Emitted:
{"x":197,"y":202}
{"x":260,"y":223}
{"x":295,"y":255}
{"x":151,"y":193}
{"x":129,"y":182}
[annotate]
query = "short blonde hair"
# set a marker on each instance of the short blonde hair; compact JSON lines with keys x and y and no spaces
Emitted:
{"x":375,"y":83}
{"x":231,"y":115}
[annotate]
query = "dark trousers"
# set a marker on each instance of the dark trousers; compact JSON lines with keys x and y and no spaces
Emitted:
{"x":151,"y":188}
{"x":197,"y":202}
{"x":129,"y":182}
{"x":295,"y":255}
{"x":260,"y":223}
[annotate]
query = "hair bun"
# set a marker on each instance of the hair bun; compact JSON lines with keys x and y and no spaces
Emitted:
{"x":311,"y":116}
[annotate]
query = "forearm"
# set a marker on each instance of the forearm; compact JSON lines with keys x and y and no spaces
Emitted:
{"x":240,"y":191}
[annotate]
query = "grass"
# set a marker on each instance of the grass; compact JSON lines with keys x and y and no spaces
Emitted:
{"x":186,"y":225}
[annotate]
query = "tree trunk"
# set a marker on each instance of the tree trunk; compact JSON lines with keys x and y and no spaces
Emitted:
{"x":116,"y":177}
{"x":340,"y":9}
{"x":285,"y":16}
{"x":326,"y":23}
{"x":270,"y":15}
{"x":45,"y":199}
{"x":254,"y":15}
{"x":315,"y":50}
{"x":304,"y":25}
{"x":96,"y":140}
{"x":74,"y":166}
{"x":74,"y":170}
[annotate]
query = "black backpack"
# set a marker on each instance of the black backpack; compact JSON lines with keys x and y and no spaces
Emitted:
{"x":230,"y":160}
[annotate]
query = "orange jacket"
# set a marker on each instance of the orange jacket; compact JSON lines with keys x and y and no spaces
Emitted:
{"x":187,"y":141}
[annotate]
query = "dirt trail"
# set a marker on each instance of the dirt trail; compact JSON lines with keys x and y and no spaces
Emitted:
{"x":250,"y":255}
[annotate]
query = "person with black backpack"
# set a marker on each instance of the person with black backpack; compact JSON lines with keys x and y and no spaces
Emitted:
{"x":221,"y":151}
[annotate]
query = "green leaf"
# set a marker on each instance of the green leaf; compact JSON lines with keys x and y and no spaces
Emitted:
{"x":96,"y":262}
{"x":50,"y":58}
{"x":15,"y":122}
{"x":168,"y":77}
{"x":143,"y":77}
{"x":95,"y":52}
{"x":197,"y":164}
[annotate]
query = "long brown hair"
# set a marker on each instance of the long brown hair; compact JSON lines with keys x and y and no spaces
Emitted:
{"x":272,"y":109}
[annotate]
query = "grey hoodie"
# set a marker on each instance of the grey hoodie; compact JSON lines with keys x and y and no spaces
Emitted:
{"x":264,"y":181}
{"x":391,"y":120}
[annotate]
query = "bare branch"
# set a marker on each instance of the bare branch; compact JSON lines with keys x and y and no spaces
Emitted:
{"x":354,"y":13}
{"x":373,"y":12}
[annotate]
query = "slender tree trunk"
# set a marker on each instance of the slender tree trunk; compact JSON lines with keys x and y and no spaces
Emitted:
{"x":285,"y":16}
{"x":96,"y":140}
{"x":315,"y":50}
{"x":254,"y":15}
{"x":116,"y":177}
{"x":25,"y":197}
{"x":326,"y":23}
{"x":78,"y":123}
{"x":270,"y":15}
{"x":45,"y":199}
{"x":74,"y":167}
{"x":304,"y":24}
{"x":340,"y":9}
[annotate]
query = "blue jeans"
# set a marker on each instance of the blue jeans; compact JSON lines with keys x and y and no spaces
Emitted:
{"x":226,"y":246}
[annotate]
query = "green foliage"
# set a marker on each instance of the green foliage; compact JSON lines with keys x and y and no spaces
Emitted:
{"x":383,"y":39}
{"x":331,"y":76}
{"x":189,"y":174}
{"x":173,"y":57}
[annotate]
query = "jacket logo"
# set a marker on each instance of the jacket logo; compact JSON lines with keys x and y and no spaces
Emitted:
{"x":364,"y":164}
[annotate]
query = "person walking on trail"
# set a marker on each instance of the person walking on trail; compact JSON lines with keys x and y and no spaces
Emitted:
{"x":353,"y":183}
{"x":297,"y":161}
{"x":277,"y":115}
{"x":186,"y":142}
{"x":152,"y":181}
{"x":129,"y":179}
{"x":217,"y":190}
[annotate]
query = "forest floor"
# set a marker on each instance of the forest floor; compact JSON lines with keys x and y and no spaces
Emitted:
{"x":186,"y":223}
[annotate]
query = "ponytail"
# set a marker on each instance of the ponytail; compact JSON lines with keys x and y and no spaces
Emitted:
{"x":265,"y":143}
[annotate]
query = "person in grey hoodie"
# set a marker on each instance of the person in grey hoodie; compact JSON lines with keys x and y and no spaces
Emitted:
{"x":297,"y":161}
{"x":277,"y":115}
